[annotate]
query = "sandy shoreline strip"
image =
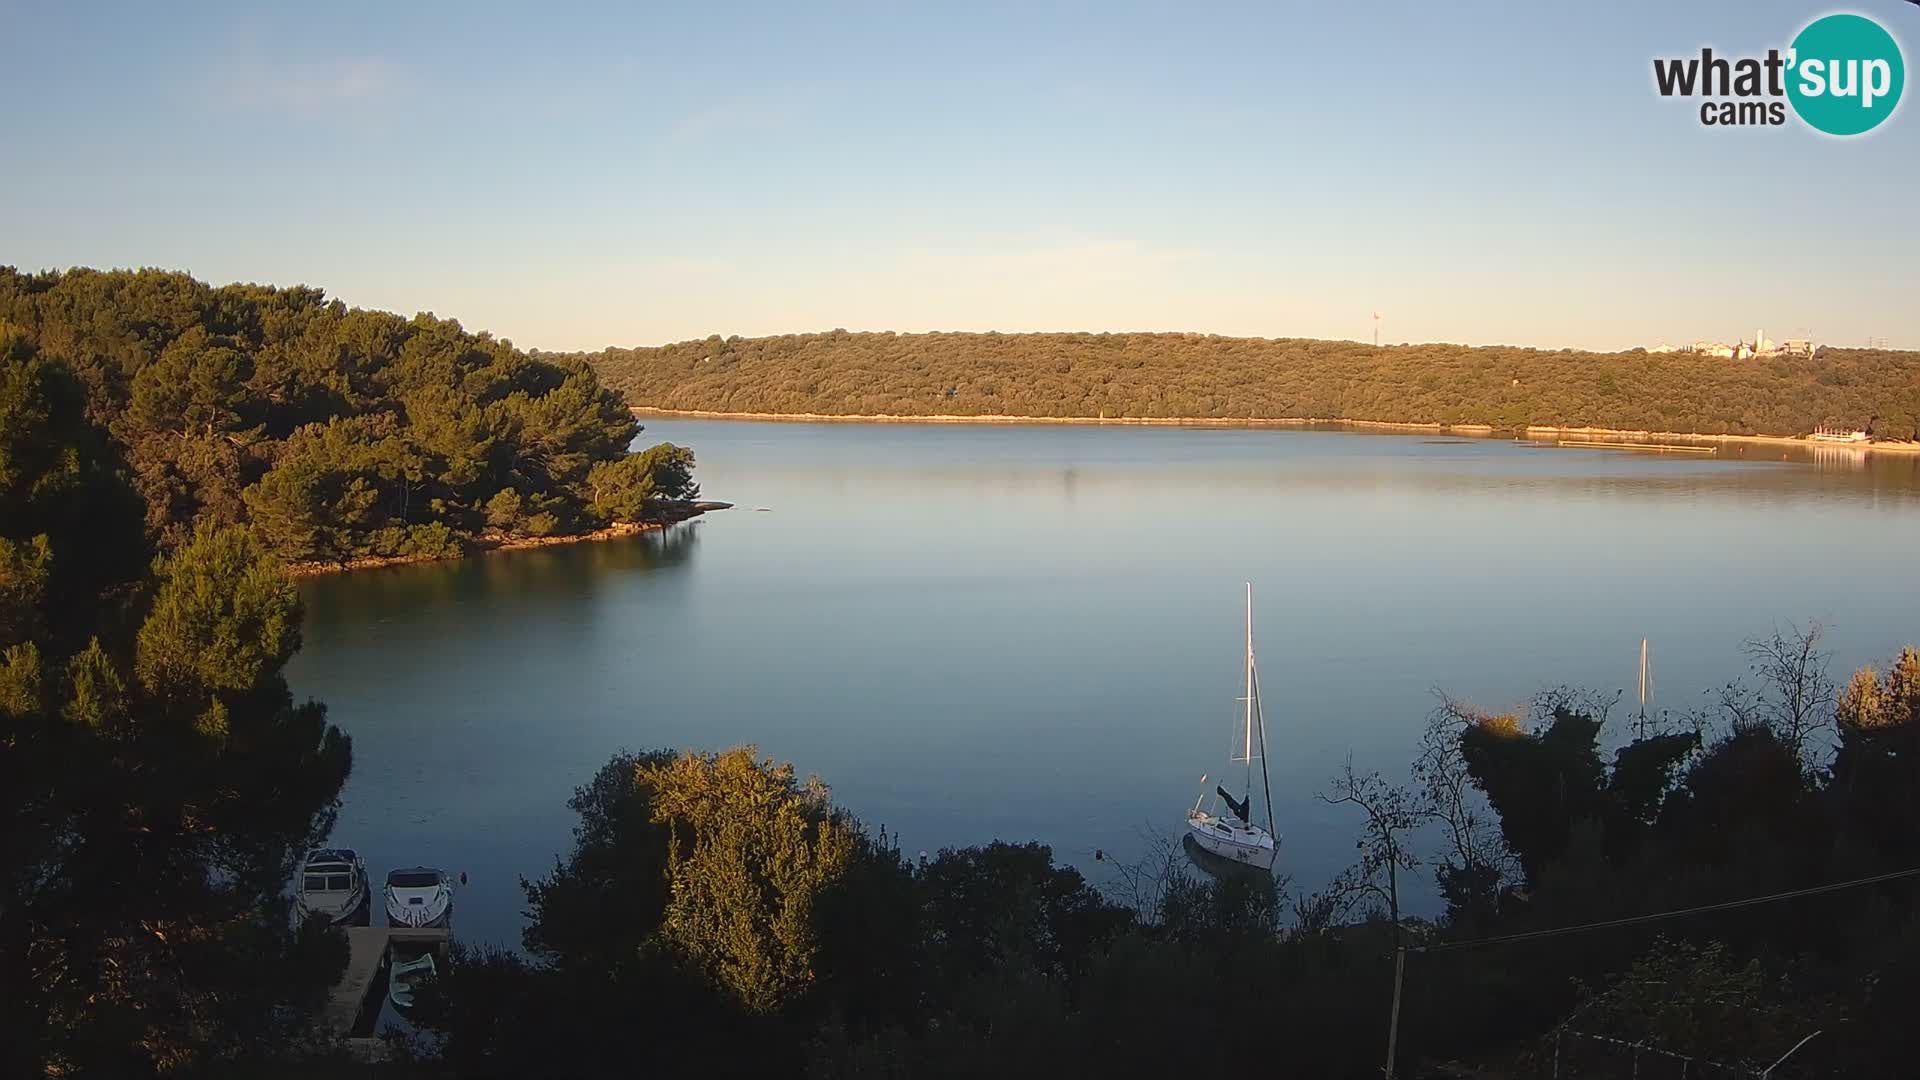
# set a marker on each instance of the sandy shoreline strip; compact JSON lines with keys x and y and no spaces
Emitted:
{"x":1532,"y":431}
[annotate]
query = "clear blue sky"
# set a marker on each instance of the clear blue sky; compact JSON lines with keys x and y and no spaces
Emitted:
{"x":572,"y":177}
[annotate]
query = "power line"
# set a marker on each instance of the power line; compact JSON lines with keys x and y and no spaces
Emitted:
{"x":1400,"y":954}
{"x":1447,"y":946}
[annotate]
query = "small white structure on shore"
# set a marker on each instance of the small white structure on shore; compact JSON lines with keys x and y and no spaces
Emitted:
{"x":1837,"y":434}
{"x":1761,"y":345}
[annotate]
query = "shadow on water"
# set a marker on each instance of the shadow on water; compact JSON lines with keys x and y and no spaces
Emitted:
{"x":478,"y":692}
{"x":556,"y":573}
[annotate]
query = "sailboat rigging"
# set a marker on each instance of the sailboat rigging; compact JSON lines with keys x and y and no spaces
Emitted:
{"x":1233,"y":835}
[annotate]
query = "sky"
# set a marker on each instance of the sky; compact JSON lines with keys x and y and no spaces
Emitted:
{"x":578,"y":176}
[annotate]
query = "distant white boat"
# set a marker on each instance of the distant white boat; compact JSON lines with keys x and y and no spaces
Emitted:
{"x":1233,"y":835}
{"x":333,"y":887}
{"x":420,"y":897}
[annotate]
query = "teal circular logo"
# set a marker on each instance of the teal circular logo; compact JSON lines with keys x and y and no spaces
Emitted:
{"x":1846,"y":74}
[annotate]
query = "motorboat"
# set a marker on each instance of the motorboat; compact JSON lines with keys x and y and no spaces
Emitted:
{"x":419,"y":897}
{"x":333,"y":887}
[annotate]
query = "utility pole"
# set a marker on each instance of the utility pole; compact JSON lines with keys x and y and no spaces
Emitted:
{"x":1393,"y":1023}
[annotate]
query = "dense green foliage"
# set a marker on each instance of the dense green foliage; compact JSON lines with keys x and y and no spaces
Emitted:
{"x":725,"y":915}
{"x":339,"y":433}
{"x":1195,"y":375}
{"x":732,"y":921}
{"x":157,"y":778}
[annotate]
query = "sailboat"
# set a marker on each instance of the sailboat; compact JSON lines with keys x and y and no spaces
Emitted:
{"x":1233,"y":835}
{"x":1646,"y":690}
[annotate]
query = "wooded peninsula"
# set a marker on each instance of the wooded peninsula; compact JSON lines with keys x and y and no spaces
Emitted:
{"x":1146,"y":376}
{"x":343,"y":436}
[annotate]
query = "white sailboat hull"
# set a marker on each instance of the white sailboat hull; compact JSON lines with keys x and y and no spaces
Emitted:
{"x":1233,"y":839}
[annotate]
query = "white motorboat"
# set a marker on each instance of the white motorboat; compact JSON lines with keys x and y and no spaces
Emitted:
{"x":420,"y":897}
{"x":1228,"y":830}
{"x":333,"y":887}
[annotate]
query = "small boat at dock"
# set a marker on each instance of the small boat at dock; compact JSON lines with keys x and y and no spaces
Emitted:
{"x":334,"y":888}
{"x":420,"y":897}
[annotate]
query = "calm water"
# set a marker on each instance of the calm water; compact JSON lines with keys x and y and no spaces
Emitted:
{"x":1034,"y":632}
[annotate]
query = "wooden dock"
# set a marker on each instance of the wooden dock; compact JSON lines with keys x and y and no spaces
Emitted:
{"x":1661,"y":448}
{"x":354,"y":1006}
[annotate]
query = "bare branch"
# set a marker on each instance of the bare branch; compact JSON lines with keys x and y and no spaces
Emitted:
{"x":1796,"y":695}
{"x":1449,"y":796}
{"x":1383,"y":850}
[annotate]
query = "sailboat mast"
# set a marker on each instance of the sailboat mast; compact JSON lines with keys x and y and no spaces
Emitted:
{"x":1266,"y":781}
{"x":1249,"y":673}
{"x":1646,"y":686}
{"x":1256,"y":716}
{"x":1643,"y":674}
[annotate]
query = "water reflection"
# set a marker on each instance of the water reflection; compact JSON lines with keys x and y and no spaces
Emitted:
{"x":1032,"y":633}
{"x":549,"y":573}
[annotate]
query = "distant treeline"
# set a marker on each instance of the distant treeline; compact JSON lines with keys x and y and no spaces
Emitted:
{"x":1181,"y":375}
{"x":338,"y":433}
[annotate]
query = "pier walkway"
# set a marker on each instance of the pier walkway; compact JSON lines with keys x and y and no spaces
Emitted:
{"x":353,"y":1009}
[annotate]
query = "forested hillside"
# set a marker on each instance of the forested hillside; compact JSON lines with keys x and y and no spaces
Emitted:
{"x":338,"y":433}
{"x":1177,"y":375}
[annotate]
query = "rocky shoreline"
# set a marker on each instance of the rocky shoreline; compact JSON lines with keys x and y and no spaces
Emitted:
{"x":489,"y":544}
{"x":1530,"y":431}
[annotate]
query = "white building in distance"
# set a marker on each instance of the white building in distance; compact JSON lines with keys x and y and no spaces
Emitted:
{"x":1760,"y":346}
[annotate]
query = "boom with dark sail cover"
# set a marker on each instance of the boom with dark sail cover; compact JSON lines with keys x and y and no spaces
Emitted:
{"x":1240,"y":807}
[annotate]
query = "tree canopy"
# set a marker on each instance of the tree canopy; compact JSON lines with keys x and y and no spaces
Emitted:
{"x":340,"y":433}
{"x":1205,"y":375}
{"x":158,"y":780}
{"x":731,"y":919}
